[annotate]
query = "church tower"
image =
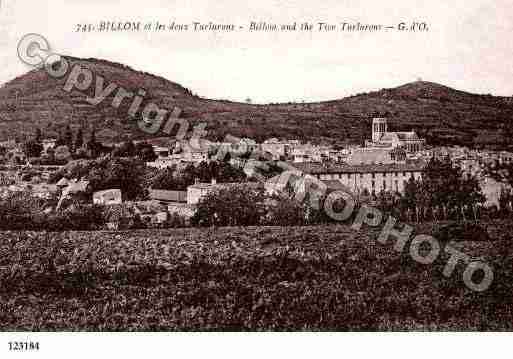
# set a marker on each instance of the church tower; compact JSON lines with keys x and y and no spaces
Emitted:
{"x":379,"y":127}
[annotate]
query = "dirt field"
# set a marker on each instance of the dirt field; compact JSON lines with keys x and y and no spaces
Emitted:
{"x":257,"y":278}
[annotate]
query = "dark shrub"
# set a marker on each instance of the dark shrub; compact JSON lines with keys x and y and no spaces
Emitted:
{"x":462,"y":232}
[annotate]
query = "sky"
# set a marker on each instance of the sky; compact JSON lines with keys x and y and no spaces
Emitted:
{"x":468,"y":47}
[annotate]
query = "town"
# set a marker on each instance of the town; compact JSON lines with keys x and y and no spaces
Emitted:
{"x":177,"y":176}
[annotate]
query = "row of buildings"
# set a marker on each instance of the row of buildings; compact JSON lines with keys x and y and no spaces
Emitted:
{"x":386,"y":163}
{"x":384,"y":147}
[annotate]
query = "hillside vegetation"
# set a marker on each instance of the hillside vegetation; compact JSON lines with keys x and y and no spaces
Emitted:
{"x":253,"y":278}
{"x":441,"y":114}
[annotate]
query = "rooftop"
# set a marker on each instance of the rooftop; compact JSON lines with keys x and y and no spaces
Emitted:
{"x":317,"y":168}
{"x":204,"y":185}
{"x":168,"y":196}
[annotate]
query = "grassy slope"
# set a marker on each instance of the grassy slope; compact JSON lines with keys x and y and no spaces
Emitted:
{"x":263,"y":278}
{"x":434,"y":110}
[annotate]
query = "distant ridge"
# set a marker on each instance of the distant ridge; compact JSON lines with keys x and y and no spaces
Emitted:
{"x":441,"y":114}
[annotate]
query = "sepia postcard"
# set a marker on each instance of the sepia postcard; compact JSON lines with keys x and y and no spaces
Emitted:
{"x":274,"y":174}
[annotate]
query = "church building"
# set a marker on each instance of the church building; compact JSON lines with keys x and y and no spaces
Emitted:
{"x":381,"y":138}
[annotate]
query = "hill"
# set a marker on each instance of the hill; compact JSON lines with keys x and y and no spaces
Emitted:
{"x":441,"y":114}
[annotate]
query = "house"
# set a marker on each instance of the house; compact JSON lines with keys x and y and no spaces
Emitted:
{"x":184,"y":210}
{"x":120,"y":216}
{"x":278,"y":150}
{"x":373,"y":155}
{"x":151,"y":212}
{"x":307,"y":153}
{"x":107,"y":197}
{"x":167,"y":197}
{"x":281,"y":183}
{"x":43,"y":190}
{"x":9,"y":144}
{"x":175,"y":201}
{"x":161,"y":152}
{"x":166,"y":162}
{"x":337,"y":156}
{"x":48,"y":143}
{"x":195,"y":150}
{"x":492,"y":189}
{"x":298,"y":182}
{"x":62,"y":183}
{"x":505,"y":157}
{"x":74,"y":188}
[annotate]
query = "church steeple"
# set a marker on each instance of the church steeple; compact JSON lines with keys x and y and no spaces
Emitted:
{"x":379,"y":128}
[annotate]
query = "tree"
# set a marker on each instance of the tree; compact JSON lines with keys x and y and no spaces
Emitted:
{"x":79,"y":139}
{"x":68,"y":137}
{"x":94,"y":148}
{"x":443,"y":186}
{"x":501,"y":172}
{"x":505,"y":201}
{"x":235,"y":205}
{"x":65,"y":138}
{"x":32,"y":148}
{"x":127,"y":149}
{"x":164,"y":179}
{"x":174,"y":179}
{"x":62,"y":153}
{"x":49,"y":157}
{"x":286,"y":211}
{"x":221,"y":171}
{"x":144,"y":151}
{"x":39,"y":136}
{"x":409,"y":198}
{"x":124,"y":174}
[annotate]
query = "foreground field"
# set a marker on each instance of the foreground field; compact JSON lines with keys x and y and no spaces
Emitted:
{"x":257,"y":278}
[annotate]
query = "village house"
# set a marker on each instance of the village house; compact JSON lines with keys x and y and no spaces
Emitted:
{"x":175,"y":202}
{"x":277,"y":149}
{"x":107,"y":197}
{"x":370,"y":155}
{"x":167,"y":197}
{"x":161,"y":152}
{"x":8,"y":144}
{"x":337,"y":155}
{"x":162,"y":163}
{"x":307,"y":153}
{"x":44,"y":190}
{"x":48,"y":143}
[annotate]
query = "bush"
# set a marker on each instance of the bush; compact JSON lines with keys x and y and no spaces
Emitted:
{"x":126,"y":174}
{"x":173,"y":179}
{"x":84,"y":216}
{"x":462,"y":232}
{"x":174,"y":220}
{"x":20,"y":211}
{"x":234,"y":205}
{"x":286,"y":212}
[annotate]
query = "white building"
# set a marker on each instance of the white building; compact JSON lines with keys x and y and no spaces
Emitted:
{"x":107,"y":197}
{"x":381,"y":138}
{"x":373,"y":178}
